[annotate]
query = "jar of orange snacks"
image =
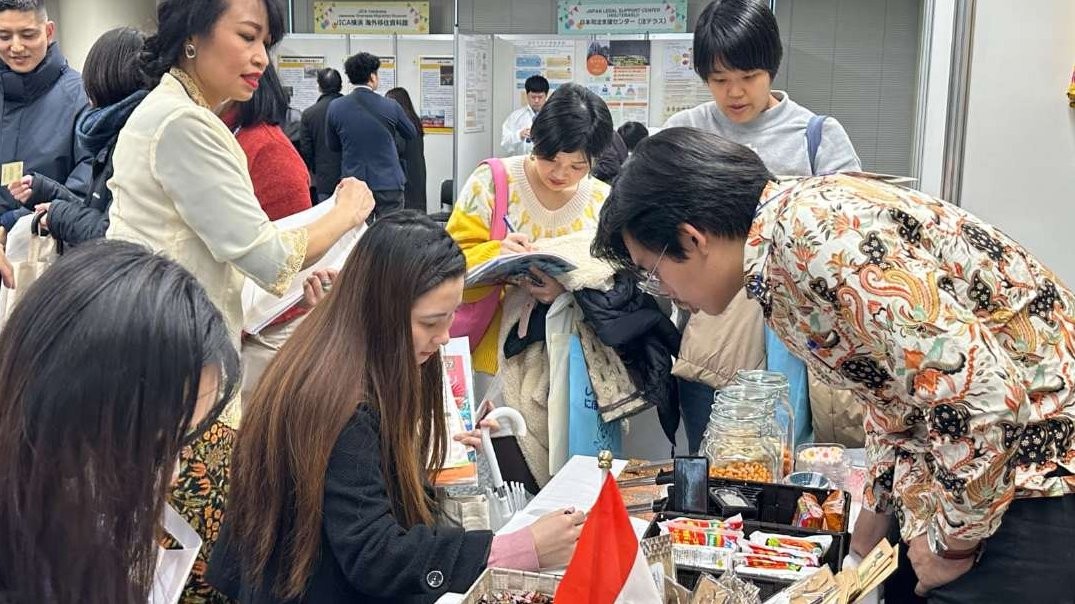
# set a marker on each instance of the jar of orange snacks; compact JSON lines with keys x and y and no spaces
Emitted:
{"x":740,"y":441}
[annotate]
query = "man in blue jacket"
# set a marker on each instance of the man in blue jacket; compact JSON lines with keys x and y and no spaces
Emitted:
{"x":42,"y":97}
{"x":363,"y":127}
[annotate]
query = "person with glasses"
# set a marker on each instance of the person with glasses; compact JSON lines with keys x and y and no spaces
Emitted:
{"x":954,"y":338}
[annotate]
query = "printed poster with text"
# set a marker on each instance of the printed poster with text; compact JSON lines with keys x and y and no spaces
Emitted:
{"x":371,"y":17}
{"x":298,"y":76}
{"x":553,"y":59}
{"x":683,"y":89}
{"x":386,"y":74}
{"x":478,"y":67}
{"x":438,"y":93}
{"x":618,"y":72}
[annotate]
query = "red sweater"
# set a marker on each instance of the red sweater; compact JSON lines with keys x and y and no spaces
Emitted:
{"x":281,"y":180}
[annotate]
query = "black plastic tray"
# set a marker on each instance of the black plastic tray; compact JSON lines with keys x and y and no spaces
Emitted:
{"x":776,"y":510}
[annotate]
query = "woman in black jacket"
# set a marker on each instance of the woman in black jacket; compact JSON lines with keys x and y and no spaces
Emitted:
{"x":115,"y":88}
{"x":413,"y":154}
{"x":329,"y":500}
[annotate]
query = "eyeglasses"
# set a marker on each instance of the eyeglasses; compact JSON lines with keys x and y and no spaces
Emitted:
{"x":650,"y":283}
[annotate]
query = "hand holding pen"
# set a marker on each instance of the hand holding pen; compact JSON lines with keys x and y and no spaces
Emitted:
{"x":514,"y":242}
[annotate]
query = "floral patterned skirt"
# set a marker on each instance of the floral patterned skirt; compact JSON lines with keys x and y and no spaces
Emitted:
{"x":199,"y":495}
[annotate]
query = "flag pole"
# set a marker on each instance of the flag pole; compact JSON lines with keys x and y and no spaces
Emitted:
{"x":604,"y":461}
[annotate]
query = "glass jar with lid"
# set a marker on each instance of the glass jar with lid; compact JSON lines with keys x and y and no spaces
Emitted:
{"x":775,"y":384}
{"x":741,"y":442}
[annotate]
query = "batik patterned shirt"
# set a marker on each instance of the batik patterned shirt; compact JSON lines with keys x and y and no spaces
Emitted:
{"x":959,"y":343}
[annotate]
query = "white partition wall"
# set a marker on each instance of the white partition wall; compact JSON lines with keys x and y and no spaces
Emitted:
{"x":1019,"y":163}
{"x":440,"y":148}
{"x":477,"y":133}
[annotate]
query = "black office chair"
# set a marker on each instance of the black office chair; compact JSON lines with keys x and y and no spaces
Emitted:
{"x":447,"y":201}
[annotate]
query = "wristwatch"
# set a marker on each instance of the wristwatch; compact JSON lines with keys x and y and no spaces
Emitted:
{"x":939,"y":548}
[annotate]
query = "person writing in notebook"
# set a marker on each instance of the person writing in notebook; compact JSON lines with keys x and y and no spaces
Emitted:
{"x":550,"y":194}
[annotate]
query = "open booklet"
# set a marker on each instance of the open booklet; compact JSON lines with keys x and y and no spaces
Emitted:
{"x":514,"y":267}
{"x":260,"y":308}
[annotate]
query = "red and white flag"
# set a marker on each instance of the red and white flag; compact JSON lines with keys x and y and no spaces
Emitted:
{"x":608,"y":566}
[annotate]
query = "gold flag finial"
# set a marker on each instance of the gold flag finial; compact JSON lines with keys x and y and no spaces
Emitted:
{"x":604,"y":460}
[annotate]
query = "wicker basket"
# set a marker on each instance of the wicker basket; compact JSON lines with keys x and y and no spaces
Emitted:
{"x":498,"y":579}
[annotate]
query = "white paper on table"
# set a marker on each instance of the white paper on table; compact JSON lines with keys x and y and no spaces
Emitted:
{"x":260,"y":308}
{"x":174,"y":565}
{"x":576,"y":485}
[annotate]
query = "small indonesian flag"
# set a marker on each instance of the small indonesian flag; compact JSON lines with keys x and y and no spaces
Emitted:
{"x":608,"y":566}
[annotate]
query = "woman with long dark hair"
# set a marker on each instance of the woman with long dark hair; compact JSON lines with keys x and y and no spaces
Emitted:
{"x":329,"y":500}
{"x":113,"y":361}
{"x":414,"y":154}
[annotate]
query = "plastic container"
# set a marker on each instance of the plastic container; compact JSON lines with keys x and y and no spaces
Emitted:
{"x":742,"y":441}
{"x":776,"y":385}
{"x":827,"y":459}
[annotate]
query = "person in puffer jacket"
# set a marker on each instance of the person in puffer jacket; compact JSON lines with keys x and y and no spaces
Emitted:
{"x":114,"y":89}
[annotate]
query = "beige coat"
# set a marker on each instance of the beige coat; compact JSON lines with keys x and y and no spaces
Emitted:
{"x":182,"y":188}
{"x":714,"y":348}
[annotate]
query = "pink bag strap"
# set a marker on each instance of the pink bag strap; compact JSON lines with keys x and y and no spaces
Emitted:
{"x":498,"y":228}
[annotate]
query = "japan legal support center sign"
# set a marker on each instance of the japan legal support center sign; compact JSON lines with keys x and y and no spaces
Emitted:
{"x":621,"y":16}
{"x":371,"y":17}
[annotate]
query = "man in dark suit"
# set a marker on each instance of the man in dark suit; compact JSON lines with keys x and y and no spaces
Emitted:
{"x":363,"y":126}
{"x":323,"y":162}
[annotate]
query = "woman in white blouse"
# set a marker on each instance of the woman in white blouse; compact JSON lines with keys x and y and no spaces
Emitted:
{"x":181,"y":187}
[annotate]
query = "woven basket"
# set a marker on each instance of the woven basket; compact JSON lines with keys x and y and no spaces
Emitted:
{"x":498,"y":580}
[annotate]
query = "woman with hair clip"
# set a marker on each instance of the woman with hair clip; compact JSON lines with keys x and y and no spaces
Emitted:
{"x":115,"y":88}
{"x":414,"y":154}
{"x":182,"y":188}
{"x":89,"y":437}
{"x":330,"y":500}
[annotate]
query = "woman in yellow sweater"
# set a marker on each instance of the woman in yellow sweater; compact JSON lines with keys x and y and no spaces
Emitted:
{"x":550,"y":194}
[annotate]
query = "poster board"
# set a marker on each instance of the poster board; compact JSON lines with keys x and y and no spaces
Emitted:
{"x":298,"y":75}
{"x":439,"y":148}
{"x":436,"y":101}
{"x":472,"y":145}
{"x":331,"y":50}
{"x":618,"y":71}
{"x":554,"y":59}
{"x":681,"y":88}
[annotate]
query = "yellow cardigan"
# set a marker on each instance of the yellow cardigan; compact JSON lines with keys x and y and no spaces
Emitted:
{"x":469,"y":226}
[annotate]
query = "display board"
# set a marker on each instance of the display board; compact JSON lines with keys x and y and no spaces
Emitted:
{"x":475,"y":140}
{"x":439,"y":147}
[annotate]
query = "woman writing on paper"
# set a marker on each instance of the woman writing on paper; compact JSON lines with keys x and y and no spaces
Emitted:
{"x":550,"y":194}
{"x":182,"y":187}
{"x":89,"y":438}
{"x":329,"y":501}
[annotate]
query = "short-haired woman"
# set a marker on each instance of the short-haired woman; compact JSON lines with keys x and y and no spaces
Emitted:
{"x":550,"y":194}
